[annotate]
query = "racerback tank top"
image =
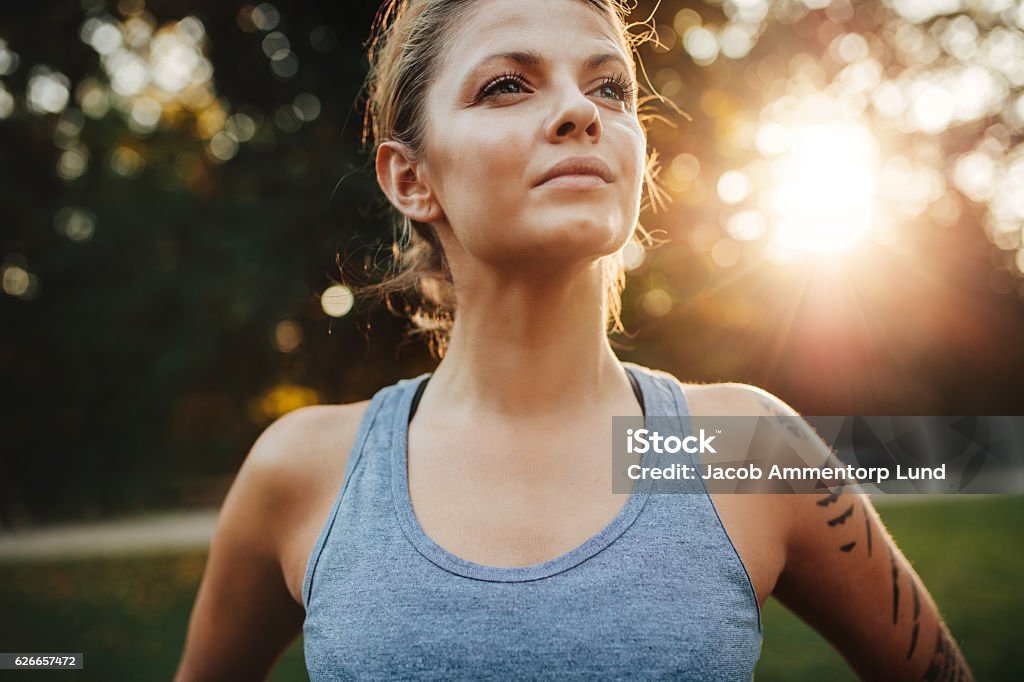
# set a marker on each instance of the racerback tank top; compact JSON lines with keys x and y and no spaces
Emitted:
{"x":660,"y":592}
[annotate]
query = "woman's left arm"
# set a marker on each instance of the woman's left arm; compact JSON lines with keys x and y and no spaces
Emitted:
{"x":845,"y":577}
{"x":840,"y":570}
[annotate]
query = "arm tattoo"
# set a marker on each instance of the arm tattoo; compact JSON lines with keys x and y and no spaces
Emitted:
{"x":867,"y":524}
{"x":829,"y":499}
{"x":913,"y":641}
{"x":946,"y":664}
{"x":841,"y":519}
{"x":917,"y":613}
{"x":895,"y":588}
{"x":795,"y":425}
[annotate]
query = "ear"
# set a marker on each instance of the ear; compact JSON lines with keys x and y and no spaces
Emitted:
{"x":400,"y":178}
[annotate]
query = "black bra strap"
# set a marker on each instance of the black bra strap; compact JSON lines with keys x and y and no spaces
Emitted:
{"x":632,"y":382}
{"x":416,"y":397}
{"x":637,"y":392}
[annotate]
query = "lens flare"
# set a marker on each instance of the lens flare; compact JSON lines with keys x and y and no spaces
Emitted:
{"x":824,"y":188}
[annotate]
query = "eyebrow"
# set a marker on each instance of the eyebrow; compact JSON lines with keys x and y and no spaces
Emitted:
{"x":534,"y":59}
{"x":596,"y":60}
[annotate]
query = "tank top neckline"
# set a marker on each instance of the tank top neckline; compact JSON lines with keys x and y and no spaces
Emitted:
{"x":418,"y":393}
{"x":454,"y":564}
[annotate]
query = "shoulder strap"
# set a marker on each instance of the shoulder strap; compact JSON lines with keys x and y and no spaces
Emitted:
{"x":637,"y":392}
{"x":416,"y":397}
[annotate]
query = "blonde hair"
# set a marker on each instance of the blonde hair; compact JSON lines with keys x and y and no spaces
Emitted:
{"x":405,"y":45}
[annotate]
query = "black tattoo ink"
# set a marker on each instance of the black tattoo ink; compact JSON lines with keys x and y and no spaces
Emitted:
{"x":895,"y":588}
{"x":829,"y":499}
{"x":867,"y":524}
{"x":841,"y":519}
{"x":848,"y":546}
{"x":917,"y":614}
{"x":945,"y":664}
{"x":913,"y":641}
{"x":795,"y":425}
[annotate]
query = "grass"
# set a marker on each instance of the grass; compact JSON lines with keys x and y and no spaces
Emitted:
{"x":129,"y":615}
{"x":970,"y":555}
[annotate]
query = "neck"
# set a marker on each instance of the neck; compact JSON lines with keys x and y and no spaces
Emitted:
{"x":529,"y":347}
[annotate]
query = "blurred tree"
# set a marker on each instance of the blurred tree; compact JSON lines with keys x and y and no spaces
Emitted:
{"x":177,"y":178}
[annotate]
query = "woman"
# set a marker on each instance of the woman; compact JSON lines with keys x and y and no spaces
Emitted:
{"x":465,"y":526}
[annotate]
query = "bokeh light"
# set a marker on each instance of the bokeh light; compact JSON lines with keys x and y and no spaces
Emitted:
{"x":76,"y":224}
{"x":17,"y":280}
{"x":6,"y":102}
{"x":157,"y":75}
{"x":287,"y":336}
{"x":48,"y":91}
{"x":126,"y":162}
{"x":733,"y":187}
{"x":281,"y":400}
{"x":633,"y":255}
{"x":657,"y":302}
{"x":73,"y":163}
{"x":9,"y":59}
{"x":265,"y":16}
{"x":337,"y":300}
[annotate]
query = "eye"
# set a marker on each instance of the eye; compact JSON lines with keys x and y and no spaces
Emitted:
{"x":617,"y":88}
{"x":511,"y":83}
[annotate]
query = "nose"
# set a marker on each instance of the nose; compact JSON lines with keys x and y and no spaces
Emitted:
{"x":575,"y":116}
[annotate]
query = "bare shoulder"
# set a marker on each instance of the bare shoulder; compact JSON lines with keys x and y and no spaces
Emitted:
{"x":733,"y":399}
{"x":300,"y":445}
{"x":758,"y":525}
{"x":297,"y":465}
{"x":786,"y":438}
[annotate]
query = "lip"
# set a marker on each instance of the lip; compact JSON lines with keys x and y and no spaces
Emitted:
{"x":579,"y":166}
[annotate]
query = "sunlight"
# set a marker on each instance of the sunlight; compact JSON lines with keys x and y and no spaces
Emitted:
{"x":824,"y":185}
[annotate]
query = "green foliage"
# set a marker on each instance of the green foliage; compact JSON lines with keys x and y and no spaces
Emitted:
{"x":153,"y":239}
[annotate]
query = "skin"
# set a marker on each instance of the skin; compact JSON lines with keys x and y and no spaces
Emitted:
{"x":529,"y":371}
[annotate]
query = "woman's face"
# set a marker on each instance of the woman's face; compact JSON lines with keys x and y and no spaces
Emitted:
{"x":522,"y":86}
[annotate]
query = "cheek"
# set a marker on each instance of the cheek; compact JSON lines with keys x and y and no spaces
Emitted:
{"x":637,"y":147}
{"x":472,"y":162}
{"x":631,"y":145}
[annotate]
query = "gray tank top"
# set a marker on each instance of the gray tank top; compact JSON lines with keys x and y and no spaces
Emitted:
{"x":660,"y":592}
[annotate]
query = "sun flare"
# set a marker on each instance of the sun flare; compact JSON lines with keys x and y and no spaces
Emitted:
{"x":822,"y":196}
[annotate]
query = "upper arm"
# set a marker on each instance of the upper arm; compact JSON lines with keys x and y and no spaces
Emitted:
{"x":244,"y":615}
{"x":844,"y":575}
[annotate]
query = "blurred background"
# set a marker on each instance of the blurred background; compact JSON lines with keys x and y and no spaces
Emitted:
{"x":842,"y":208}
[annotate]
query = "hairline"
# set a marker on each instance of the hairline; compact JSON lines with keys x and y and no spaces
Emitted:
{"x":605,"y":8}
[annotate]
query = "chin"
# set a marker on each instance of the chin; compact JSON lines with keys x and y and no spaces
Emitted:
{"x":577,"y":237}
{"x":553,"y":235}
